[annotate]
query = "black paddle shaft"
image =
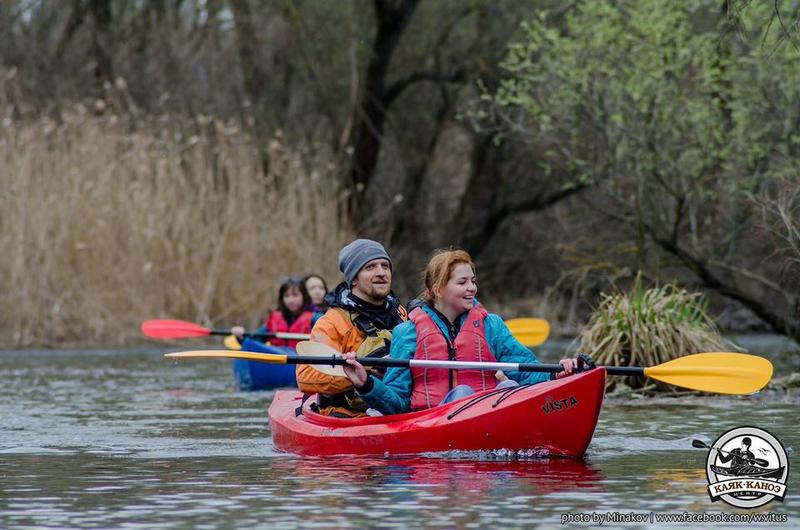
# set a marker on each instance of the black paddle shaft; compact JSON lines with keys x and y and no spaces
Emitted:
{"x":625,"y":370}
{"x":388,"y":362}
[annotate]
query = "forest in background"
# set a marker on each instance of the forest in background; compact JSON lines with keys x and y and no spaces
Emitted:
{"x":177,"y":158}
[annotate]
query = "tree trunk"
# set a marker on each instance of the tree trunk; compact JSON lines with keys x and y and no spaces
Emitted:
{"x":780,"y":310}
{"x":247,"y":45}
{"x":255,"y":78}
{"x":392,"y":21}
{"x":102,"y":42}
{"x":476,"y":222}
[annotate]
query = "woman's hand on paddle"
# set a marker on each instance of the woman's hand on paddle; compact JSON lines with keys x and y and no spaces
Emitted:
{"x":238,"y":331}
{"x":569,"y":365}
{"x":354,"y":370}
{"x":572,"y":366}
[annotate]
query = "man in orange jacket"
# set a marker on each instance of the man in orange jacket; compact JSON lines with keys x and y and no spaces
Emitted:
{"x":363,"y":311}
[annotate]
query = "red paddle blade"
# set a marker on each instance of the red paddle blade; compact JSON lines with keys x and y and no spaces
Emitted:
{"x":173,"y":329}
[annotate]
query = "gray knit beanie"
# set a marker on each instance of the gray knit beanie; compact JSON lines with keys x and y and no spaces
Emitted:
{"x":355,"y":255}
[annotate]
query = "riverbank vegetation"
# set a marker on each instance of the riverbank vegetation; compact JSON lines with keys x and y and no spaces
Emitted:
{"x":178,"y":158}
{"x":110,"y":220}
{"x":648,"y":327}
{"x":679,"y":129}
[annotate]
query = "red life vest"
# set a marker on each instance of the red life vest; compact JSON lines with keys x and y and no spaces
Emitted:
{"x":275,"y":323}
{"x":431,"y":385}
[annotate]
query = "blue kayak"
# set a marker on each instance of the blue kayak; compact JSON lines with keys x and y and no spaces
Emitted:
{"x":253,"y":375}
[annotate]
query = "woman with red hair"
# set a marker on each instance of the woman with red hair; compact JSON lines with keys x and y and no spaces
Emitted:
{"x":450,"y":324}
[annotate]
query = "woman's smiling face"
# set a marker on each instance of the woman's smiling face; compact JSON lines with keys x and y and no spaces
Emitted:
{"x":458,"y":294}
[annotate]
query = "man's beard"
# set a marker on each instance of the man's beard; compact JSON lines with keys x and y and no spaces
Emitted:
{"x":378,"y":292}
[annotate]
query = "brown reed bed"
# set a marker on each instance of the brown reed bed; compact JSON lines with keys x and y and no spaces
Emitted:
{"x":106,"y":221}
{"x":647,"y":327}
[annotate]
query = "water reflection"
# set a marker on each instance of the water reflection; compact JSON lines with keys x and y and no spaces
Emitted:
{"x":101,"y":491}
{"x":442,"y":474}
{"x":103,"y":440}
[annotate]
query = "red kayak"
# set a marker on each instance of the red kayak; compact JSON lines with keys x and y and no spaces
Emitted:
{"x":556,"y":418}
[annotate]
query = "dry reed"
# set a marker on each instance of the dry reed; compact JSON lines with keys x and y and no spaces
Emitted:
{"x":647,"y":327}
{"x":107,"y":221}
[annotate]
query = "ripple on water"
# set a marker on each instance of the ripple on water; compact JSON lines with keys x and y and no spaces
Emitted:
{"x":128,"y":441}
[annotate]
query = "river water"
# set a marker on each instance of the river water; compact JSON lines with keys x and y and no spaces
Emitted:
{"x":126,"y":439}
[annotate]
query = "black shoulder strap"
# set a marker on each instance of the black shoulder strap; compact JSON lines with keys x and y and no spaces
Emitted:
{"x":299,"y":410}
{"x":365,"y":324}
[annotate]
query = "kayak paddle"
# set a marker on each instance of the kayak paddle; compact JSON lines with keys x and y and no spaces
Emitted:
{"x":232,"y":343}
{"x":702,"y":445}
{"x":180,"y":329}
{"x":529,"y":331}
{"x":718,"y":372}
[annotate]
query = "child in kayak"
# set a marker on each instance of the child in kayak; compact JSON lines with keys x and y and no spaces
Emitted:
{"x":317,"y":290}
{"x":451,"y":324}
{"x":292,"y":316}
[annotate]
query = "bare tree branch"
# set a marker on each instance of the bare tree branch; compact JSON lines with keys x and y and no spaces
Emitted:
{"x":397,"y":88}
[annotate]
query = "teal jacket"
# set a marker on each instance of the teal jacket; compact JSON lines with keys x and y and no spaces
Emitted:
{"x":392,"y":395}
{"x":317,"y":316}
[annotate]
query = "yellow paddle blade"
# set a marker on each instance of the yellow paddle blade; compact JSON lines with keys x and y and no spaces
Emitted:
{"x":317,"y":349}
{"x":232,"y":343}
{"x":720,"y":372}
{"x":252,"y":356}
{"x":529,"y":331}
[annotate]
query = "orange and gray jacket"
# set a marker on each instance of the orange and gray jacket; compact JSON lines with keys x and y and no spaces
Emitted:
{"x":348,"y":326}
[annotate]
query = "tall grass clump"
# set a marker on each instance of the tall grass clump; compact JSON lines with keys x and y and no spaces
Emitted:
{"x":109,"y":220}
{"x":647,"y":327}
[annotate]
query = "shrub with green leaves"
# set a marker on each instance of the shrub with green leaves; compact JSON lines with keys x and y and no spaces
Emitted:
{"x":649,"y":326}
{"x":677,"y":115}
